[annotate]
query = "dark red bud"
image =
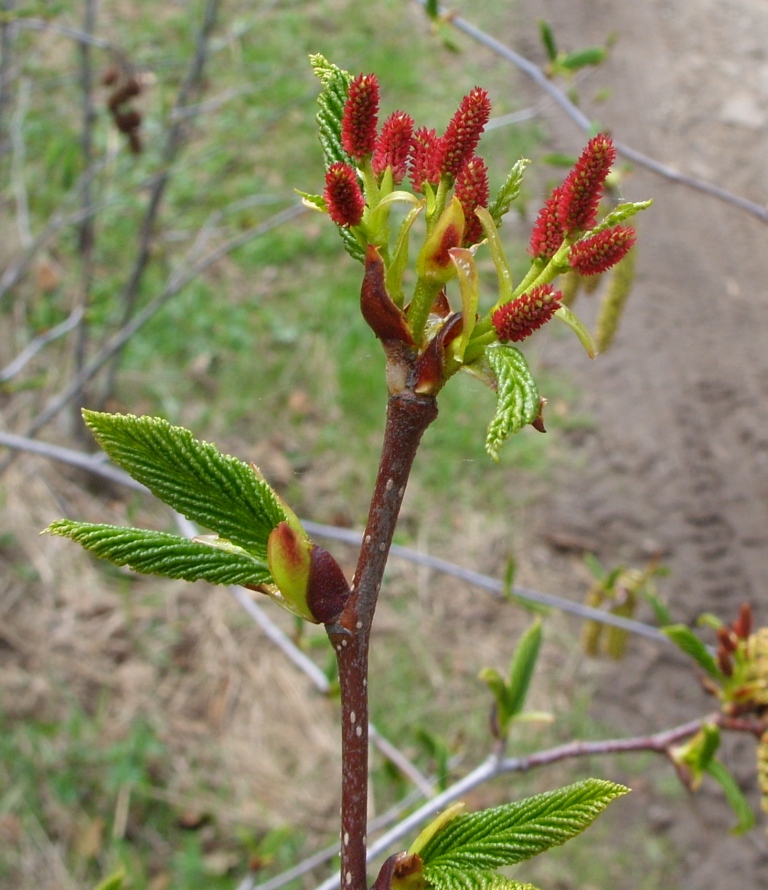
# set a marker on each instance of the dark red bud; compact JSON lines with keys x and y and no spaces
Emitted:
{"x":328,"y":590}
{"x":385,"y":319}
{"x":428,"y":372}
{"x":726,"y":639}
{"x":742,"y":626}
{"x":724,"y":663}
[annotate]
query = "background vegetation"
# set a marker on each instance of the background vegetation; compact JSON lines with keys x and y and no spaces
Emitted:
{"x":142,"y":723}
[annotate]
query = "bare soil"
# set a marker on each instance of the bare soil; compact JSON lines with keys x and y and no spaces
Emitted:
{"x":678,"y":458}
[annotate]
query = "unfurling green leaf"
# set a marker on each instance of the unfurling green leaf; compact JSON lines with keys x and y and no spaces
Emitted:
{"x":330,"y":104}
{"x":734,"y":795}
{"x":522,"y":667}
{"x":218,"y":491}
{"x":618,"y":215}
{"x":508,"y":192}
{"x":684,"y":638}
{"x":170,"y":556}
{"x":478,"y":843}
{"x":693,"y":758}
{"x":592,"y":55}
{"x":548,"y":39}
{"x":517,"y":402}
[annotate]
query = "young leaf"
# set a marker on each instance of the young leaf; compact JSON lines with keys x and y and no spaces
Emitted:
{"x":158,"y":553}
{"x":518,"y":401}
{"x":330,"y":104}
{"x":734,"y":795}
{"x":508,"y":192}
{"x":618,"y":215}
{"x":523,"y":666}
{"x":330,"y":111}
{"x":548,"y":39}
{"x":491,"y":839}
{"x":684,"y":638}
{"x":218,"y":491}
{"x":592,"y":55}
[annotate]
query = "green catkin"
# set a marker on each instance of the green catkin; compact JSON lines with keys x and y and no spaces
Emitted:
{"x":592,"y":630}
{"x":762,"y":770}
{"x":614,"y":300}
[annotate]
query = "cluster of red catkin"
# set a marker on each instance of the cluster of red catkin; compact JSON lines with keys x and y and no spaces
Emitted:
{"x":431,"y":160}
{"x":420,"y":154}
{"x":126,"y":118}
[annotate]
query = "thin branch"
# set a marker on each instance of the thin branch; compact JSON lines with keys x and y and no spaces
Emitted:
{"x":493,"y":767}
{"x":39,"y":342}
{"x":178,"y":280}
{"x":6,"y":41}
{"x":494,"y":586}
{"x":17,"y":165}
{"x":485,"y":582}
{"x":174,"y":142}
{"x":760,"y":211}
{"x":86,"y":235}
{"x":83,"y":37}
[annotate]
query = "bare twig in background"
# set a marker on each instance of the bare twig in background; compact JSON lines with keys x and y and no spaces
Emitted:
{"x":6,"y":41}
{"x":17,"y":165}
{"x":174,"y":142}
{"x":86,"y":234}
{"x":98,"y":465}
{"x":178,"y":280}
{"x":760,"y":211}
{"x":84,"y":37}
{"x":39,"y":342}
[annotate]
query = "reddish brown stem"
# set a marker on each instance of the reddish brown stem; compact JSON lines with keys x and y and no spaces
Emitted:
{"x":408,"y":416}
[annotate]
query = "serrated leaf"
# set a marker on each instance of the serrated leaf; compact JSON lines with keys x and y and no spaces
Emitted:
{"x":517,"y":402}
{"x":330,"y":110}
{"x":508,"y":192}
{"x":684,"y":638}
{"x":523,"y":666}
{"x":159,"y":553}
{"x":454,"y":879}
{"x":491,"y":839}
{"x":213,"y":489}
{"x":734,"y":795}
{"x":619,"y":214}
{"x":330,"y":107}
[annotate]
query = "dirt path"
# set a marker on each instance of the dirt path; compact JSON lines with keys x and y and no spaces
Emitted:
{"x":679,"y":455}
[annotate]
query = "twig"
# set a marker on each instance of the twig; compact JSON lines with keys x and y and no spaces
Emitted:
{"x":494,"y":586}
{"x":174,"y":142}
{"x":83,"y":37}
{"x":101,"y":467}
{"x":17,"y":167}
{"x":493,"y":767}
{"x":6,"y":41}
{"x":178,"y":281}
{"x":87,"y":229}
{"x":37,"y":343}
{"x":760,"y":211}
